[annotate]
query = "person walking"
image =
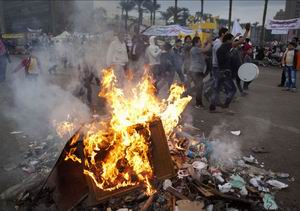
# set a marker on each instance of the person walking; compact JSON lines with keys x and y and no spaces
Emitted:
{"x":289,"y":62}
{"x":236,"y":62}
{"x":178,"y":54}
{"x":167,"y":65}
{"x":222,"y":70}
{"x":197,"y":69}
{"x":152,"y":56}
{"x":117,"y":57}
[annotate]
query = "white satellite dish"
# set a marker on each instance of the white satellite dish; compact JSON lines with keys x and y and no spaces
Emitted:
{"x":248,"y":72}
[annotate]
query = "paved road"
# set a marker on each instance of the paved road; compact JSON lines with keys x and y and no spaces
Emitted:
{"x":267,"y":117}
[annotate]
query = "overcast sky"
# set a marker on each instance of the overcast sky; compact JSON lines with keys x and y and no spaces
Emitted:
{"x":246,"y":11}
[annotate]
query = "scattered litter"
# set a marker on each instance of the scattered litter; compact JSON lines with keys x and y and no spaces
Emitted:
{"x":199,"y":165}
{"x":236,"y":133}
{"x":198,"y":179}
{"x":167,"y":183}
{"x":182,"y":173}
{"x":269,"y":203}
{"x":282,"y":175}
{"x":225,"y":188}
{"x":277,"y":184}
{"x":28,"y":169}
{"x":218,"y":175}
{"x":237,"y":182}
{"x":16,"y":132}
{"x":256,"y":182}
{"x":259,"y":150}
{"x":210,"y":207}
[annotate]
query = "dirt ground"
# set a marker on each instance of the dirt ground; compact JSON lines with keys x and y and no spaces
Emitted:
{"x":266,"y":117}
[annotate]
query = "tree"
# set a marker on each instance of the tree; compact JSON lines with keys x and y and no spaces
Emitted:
{"x":229,"y":18}
{"x":175,"y":12}
{"x":151,"y":6}
{"x":165,"y":16}
{"x":155,"y":3}
{"x":262,"y":35}
{"x":127,"y":6}
{"x":181,"y":13}
{"x":139,"y":4}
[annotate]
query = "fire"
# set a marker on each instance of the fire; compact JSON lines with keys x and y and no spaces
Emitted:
{"x":116,"y":153}
{"x":64,"y":128}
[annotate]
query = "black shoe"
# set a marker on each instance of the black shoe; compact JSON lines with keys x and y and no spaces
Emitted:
{"x":280,"y":85}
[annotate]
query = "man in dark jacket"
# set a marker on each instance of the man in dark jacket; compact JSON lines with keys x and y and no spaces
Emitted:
{"x":178,"y":53}
{"x":167,"y":64}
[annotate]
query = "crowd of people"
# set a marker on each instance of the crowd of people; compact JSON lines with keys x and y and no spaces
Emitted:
{"x":192,"y":61}
{"x":207,"y":69}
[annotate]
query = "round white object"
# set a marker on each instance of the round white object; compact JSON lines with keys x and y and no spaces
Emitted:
{"x":199,"y":165}
{"x":248,"y":72}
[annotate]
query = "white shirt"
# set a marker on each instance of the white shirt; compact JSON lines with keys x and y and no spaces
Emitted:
{"x":289,"y":58}
{"x":117,"y":53}
{"x":216,"y":45}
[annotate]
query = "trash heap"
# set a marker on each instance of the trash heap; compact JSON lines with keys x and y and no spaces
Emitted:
{"x":198,"y":185}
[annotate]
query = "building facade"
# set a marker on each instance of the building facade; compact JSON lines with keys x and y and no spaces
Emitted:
{"x":292,"y":9}
{"x":50,"y":16}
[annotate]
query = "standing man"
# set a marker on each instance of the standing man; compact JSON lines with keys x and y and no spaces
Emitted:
{"x":197,"y":69}
{"x":4,"y":57}
{"x":215,"y":66}
{"x":177,"y":50}
{"x":117,"y":57}
{"x":152,"y":55}
{"x":222,"y":67}
{"x":289,"y":62}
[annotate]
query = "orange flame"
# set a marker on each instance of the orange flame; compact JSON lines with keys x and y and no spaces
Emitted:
{"x":116,"y":154}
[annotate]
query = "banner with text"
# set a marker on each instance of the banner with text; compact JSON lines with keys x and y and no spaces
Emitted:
{"x":283,"y":24}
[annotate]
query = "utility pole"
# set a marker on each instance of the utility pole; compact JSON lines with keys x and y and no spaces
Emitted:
{"x":262,"y":33}
{"x":229,"y":18}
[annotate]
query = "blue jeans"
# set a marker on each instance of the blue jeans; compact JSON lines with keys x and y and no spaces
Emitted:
{"x":290,"y":75}
{"x":222,"y":79}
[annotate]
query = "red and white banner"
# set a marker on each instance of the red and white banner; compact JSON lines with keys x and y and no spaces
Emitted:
{"x":283,"y":24}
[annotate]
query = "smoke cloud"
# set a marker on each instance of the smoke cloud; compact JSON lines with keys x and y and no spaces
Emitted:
{"x":226,"y":147}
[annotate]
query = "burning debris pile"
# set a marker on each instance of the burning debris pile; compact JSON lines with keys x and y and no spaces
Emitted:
{"x":141,"y":158}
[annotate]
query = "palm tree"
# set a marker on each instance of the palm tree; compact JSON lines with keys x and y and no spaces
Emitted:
{"x":139,"y":4}
{"x":155,"y":6}
{"x":175,"y":11}
{"x":181,"y":13}
{"x":230,"y":11}
{"x":126,"y":5}
{"x":151,"y":6}
{"x":166,"y":16}
{"x":262,"y":35}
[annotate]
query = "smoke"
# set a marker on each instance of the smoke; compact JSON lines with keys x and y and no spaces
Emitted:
{"x":225,"y":147}
{"x":38,"y":103}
